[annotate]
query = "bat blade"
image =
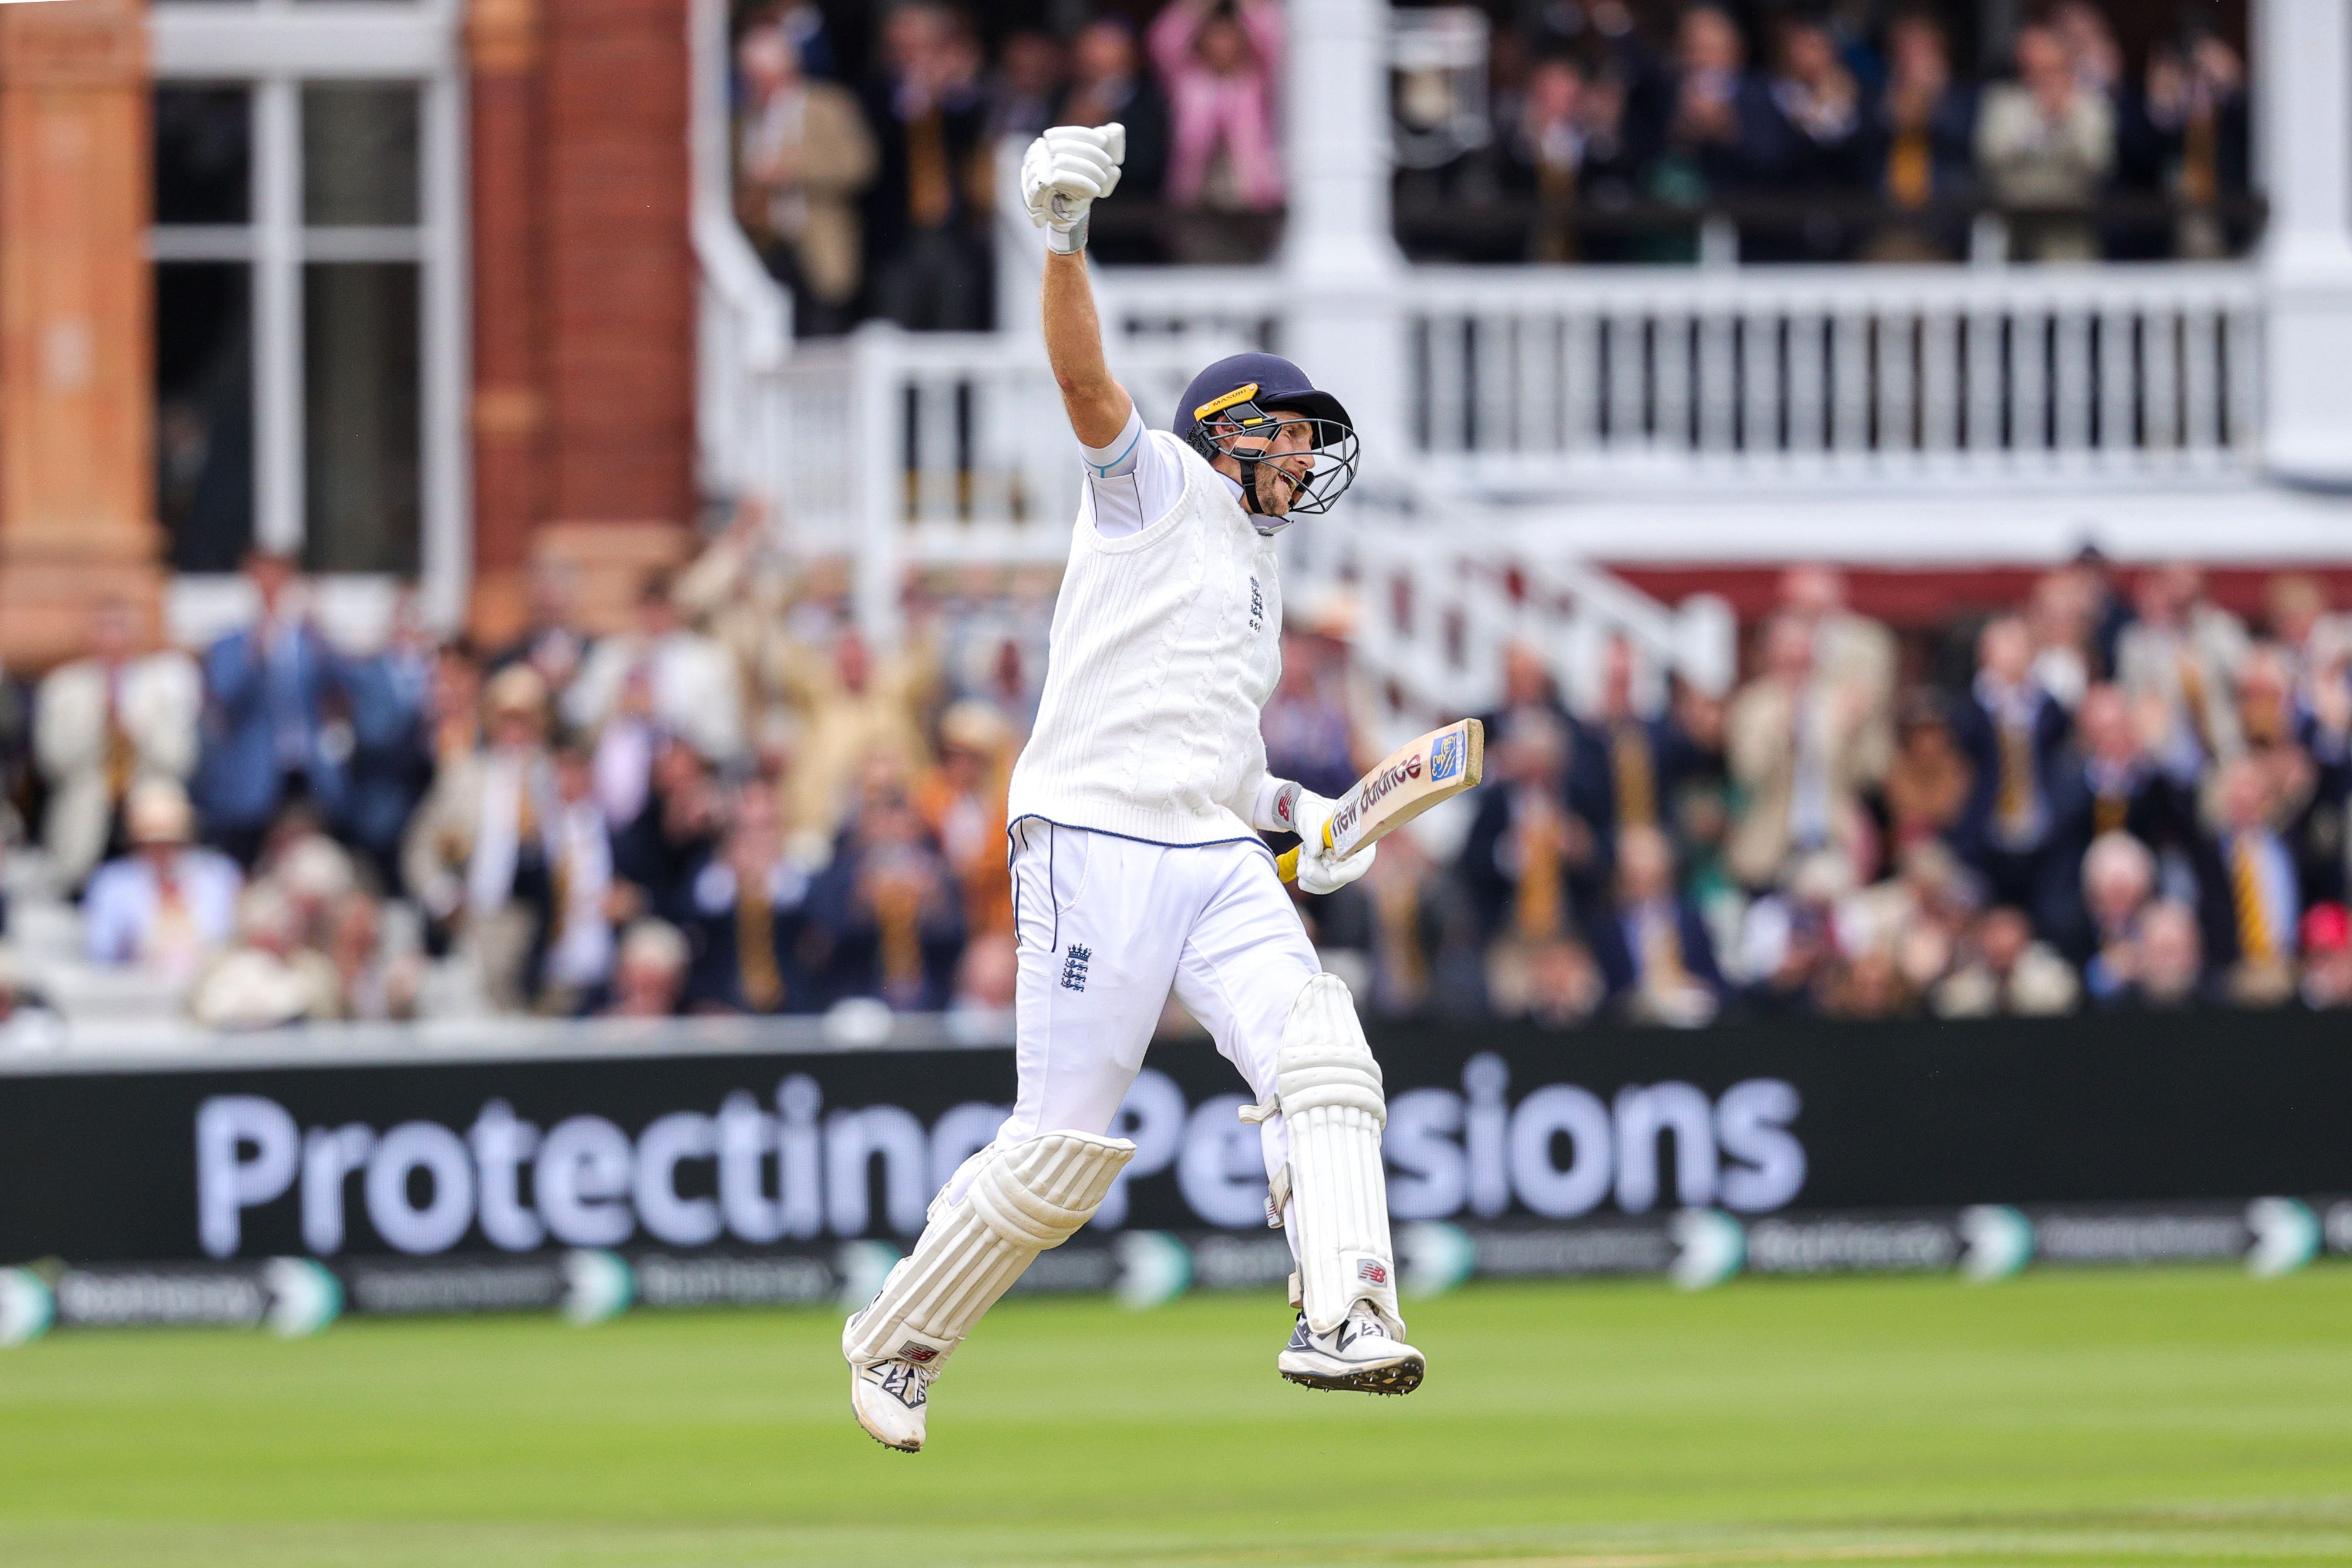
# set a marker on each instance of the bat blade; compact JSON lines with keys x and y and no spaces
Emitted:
{"x":1410,"y":780}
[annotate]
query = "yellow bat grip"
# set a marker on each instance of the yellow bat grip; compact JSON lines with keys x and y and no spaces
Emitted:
{"x":1285,"y":865}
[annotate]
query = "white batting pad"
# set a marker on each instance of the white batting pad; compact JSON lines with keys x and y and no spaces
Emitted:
{"x":1328,"y":1087}
{"x":1027,"y":1197}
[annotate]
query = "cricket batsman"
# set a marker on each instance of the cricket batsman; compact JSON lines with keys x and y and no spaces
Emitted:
{"x":1136,"y":865}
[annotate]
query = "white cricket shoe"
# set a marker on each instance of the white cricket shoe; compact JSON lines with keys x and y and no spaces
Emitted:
{"x":891,"y":1399}
{"x":1359,"y":1354}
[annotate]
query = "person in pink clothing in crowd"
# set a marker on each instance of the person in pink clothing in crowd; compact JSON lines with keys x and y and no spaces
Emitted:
{"x":1222,"y":61}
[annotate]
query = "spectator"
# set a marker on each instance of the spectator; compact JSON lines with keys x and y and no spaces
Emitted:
{"x":1222,"y":61}
{"x":2014,"y":736}
{"x":583,"y":898}
{"x":987,"y":976}
{"x":2006,"y":973}
{"x":928,"y":208}
{"x":851,"y":710}
{"x":803,"y":157}
{"x":663,"y":848}
{"x":1031,"y":68}
{"x":1652,"y":949}
{"x":2046,"y":145}
{"x":887,"y":921}
{"x":1308,"y":736}
{"x":267,"y":977}
{"x":663,"y":673}
{"x":1107,"y":85}
{"x":963,"y":804}
{"x":1851,"y":650}
{"x":1800,"y":745}
{"x":1791,"y":943}
{"x":1913,"y":922}
{"x":2171,"y":961}
{"x":1551,"y":983}
{"x":474,"y":856}
{"x":167,"y":906}
{"x":2181,"y":653}
{"x":1929,"y":782}
{"x":1529,"y":694}
{"x":650,"y":972}
{"x":1919,"y":140}
{"x":2253,"y":901}
{"x":309,"y":871}
{"x":553,"y":641}
{"x":2118,"y":880}
{"x":2117,"y":786}
{"x":2326,"y":957}
{"x":1721,"y":134}
{"x":2063,"y":618}
{"x":2196,"y":123}
{"x":376,"y":980}
{"x":267,"y":689}
{"x":1566,"y":146}
{"x":748,"y":910}
{"x":101,"y":724}
{"x":388,"y":698}
{"x":1524,"y":846}
{"x":1819,"y":102}
{"x":2110,"y":787}
{"x":2295,"y":612}
{"x":1627,"y":767}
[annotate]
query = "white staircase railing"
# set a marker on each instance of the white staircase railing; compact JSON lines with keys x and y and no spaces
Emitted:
{"x":743,"y":318}
{"x":1439,"y":589}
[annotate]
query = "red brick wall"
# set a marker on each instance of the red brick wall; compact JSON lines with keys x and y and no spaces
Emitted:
{"x":583,"y":291}
{"x":618,"y":272}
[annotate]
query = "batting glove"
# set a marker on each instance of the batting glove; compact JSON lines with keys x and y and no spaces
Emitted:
{"x":1319,"y":869}
{"x":1063,"y":174}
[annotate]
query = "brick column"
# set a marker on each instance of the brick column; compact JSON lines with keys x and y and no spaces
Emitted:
{"x":617,"y":289}
{"x":76,"y":417}
{"x":510,"y":403}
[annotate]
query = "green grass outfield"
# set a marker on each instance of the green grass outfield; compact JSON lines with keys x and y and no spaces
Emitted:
{"x":2161,"y":1416}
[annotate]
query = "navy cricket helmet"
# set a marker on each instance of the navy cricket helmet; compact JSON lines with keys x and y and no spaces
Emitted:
{"x":1228,"y":412}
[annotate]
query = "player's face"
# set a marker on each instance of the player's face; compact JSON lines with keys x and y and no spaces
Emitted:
{"x":1289,"y":458}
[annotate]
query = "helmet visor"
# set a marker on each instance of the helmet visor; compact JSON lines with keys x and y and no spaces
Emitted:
{"x":1313,"y":458}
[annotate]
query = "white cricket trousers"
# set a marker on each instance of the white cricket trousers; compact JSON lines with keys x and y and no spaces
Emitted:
{"x":1108,"y":928}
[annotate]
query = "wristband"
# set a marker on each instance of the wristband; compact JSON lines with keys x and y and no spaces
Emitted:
{"x":1067,"y":241}
{"x":1276,"y":807}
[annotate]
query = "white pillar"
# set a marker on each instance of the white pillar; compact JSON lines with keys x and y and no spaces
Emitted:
{"x":1341,"y":268}
{"x":2303,"y":95}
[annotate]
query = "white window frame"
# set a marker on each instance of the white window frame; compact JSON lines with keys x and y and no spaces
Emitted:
{"x":274,"y":48}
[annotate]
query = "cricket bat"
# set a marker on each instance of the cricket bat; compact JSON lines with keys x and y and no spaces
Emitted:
{"x":1409,"y":781}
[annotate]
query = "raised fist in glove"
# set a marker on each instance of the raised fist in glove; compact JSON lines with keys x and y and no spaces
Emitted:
{"x":1063,"y":173}
{"x":1319,"y":869}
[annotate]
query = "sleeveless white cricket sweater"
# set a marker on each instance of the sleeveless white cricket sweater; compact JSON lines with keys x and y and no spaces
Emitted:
{"x":1165,"y":645}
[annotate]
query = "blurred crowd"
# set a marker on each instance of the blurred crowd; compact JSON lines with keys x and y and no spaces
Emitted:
{"x":867,"y":175}
{"x":872,"y":192}
{"x":729,"y":805}
{"x":1837,"y":133}
{"x":2117,"y":794}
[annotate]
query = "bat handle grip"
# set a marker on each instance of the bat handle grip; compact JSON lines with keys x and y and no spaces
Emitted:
{"x":1285,"y":865}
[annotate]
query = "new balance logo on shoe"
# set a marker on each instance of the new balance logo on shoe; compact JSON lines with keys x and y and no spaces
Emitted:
{"x":1074,"y":967}
{"x":909,"y":1385}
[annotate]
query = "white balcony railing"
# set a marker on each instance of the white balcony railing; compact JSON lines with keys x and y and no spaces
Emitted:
{"x":1527,"y":379}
